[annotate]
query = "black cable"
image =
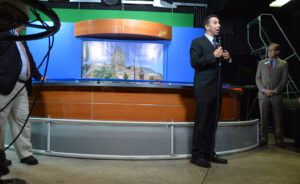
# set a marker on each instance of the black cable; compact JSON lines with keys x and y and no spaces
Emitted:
{"x":34,"y":11}
{"x":205,"y":176}
{"x":38,"y":18}
{"x":47,"y":56}
{"x":37,"y":15}
{"x":49,"y":30}
{"x":50,"y":45}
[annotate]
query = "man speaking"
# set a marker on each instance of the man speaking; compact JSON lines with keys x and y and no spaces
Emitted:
{"x":206,"y":55}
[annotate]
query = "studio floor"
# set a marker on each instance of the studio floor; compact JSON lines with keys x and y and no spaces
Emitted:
{"x":263,"y":165}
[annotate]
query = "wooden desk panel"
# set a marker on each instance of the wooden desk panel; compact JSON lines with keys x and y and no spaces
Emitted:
{"x":61,"y":110}
{"x":140,"y":112}
{"x":123,"y":97}
{"x":127,"y":104}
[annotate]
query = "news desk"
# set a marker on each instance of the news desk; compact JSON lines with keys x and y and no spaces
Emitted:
{"x":126,"y":101}
{"x":130,"y":120}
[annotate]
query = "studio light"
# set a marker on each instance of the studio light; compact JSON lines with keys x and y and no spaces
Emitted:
{"x":279,"y":3}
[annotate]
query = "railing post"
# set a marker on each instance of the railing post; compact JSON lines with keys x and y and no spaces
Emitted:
{"x":48,"y":136}
{"x":172,"y":138}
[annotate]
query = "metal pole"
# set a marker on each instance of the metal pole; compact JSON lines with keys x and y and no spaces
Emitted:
{"x":172,"y":138}
{"x":49,"y":136}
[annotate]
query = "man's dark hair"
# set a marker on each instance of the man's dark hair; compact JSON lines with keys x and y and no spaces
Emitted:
{"x":275,"y":45}
{"x":207,"y":19}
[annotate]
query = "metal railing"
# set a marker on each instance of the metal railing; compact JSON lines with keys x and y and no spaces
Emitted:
{"x":264,"y":37}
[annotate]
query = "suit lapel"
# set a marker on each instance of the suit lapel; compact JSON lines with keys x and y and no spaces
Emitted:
{"x":266,"y":67}
{"x":277,"y":66}
{"x":209,"y":43}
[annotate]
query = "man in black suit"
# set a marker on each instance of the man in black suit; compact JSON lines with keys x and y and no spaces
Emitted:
{"x":16,"y":69}
{"x":205,"y":58}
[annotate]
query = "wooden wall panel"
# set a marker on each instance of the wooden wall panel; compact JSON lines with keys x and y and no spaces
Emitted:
{"x":128,"y":104}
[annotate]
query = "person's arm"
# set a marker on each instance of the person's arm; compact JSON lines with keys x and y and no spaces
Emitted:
{"x":226,"y":56}
{"x":285,"y":73}
{"x":258,"y":78}
{"x":259,"y":83}
{"x":34,"y":71}
{"x":197,"y":58}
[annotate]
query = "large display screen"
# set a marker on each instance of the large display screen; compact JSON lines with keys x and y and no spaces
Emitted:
{"x":126,"y":60}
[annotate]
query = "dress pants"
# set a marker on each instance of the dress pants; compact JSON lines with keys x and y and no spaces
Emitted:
{"x":206,"y":121}
{"x":265,"y":105}
{"x":16,"y":113}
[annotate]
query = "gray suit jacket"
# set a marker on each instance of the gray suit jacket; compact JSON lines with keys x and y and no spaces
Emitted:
{"x":275,"y":81}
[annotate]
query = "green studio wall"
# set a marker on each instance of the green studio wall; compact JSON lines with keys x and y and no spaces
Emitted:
{"x":171,"y":19}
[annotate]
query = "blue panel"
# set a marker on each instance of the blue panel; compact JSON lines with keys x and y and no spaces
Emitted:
{"x":178,"y":62}
{"x":65,"y":56}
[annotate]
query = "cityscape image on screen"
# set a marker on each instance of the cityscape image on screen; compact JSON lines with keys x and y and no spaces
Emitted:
{"x":122,"y":60}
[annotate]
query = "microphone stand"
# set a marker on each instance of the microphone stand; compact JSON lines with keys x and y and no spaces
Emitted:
{"x":218,"y":98}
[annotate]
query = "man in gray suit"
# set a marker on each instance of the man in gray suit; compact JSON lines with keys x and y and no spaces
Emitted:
{"x":271,"y":78}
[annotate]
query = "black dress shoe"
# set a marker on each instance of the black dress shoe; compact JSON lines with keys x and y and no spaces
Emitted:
{"x":280,"y":144}
{"x":263,"y":143}
{"x":218,"y":160}
{"x":7,"y":162}
{"x":30,"y":160}
{"x":13,"y":181}
{"x":200,"y":162}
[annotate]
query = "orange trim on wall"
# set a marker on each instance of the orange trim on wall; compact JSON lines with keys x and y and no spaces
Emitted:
{"x":123,"y":28}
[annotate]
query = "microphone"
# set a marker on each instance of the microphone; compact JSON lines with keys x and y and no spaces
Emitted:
{"x":219,"y":41}
{"x":220,"y":45}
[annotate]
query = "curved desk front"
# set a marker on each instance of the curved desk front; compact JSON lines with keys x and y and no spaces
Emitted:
{"x":126,"y":101}
{"x":119,"y":120}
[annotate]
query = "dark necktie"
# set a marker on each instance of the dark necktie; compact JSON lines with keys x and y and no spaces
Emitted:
{"x":215,"y":43}
{"x":271,"y":66}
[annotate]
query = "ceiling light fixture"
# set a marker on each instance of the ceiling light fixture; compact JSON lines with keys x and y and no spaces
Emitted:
{"x":279,"y":3}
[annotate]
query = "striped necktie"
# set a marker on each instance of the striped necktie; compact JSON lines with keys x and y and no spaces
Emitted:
{"x":271,"y":66}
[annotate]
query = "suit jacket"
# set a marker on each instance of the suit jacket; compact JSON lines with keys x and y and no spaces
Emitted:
{"x":206,"y":68}
{"x":11,"y":64}
{"x":34,"y":71}
{"x":275,"y":81}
